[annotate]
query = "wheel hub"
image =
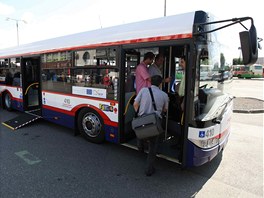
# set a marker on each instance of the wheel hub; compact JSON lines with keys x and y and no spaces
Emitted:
{"x":91,"y":125}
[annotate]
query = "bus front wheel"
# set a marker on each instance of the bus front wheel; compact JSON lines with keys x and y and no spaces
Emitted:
{"x":8,"y":101}
{"x":91,"y":126}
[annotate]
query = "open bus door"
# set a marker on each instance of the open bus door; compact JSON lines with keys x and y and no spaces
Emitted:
{"x":30,"y":68}
{"x":132,"y":59}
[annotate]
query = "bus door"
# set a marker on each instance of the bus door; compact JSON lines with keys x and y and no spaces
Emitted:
{"x":31,"y":83}
{"x":132,"y":59}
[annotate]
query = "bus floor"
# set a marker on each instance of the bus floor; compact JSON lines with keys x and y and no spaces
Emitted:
{"x":169,"y":148}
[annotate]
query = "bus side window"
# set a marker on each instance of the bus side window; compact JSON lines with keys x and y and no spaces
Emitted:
{"x":8,"y":78}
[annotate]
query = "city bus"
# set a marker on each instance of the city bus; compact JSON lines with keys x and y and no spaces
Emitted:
{"x":86,"y":81}
{"x":248,"y":71}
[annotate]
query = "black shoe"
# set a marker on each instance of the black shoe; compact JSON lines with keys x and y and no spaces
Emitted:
{"x":150,"y":171}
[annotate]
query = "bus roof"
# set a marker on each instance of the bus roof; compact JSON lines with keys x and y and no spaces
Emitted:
{"x":165,"y":28}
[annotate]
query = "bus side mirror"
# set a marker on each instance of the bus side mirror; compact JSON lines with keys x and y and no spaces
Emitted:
{"x":249,"y":45}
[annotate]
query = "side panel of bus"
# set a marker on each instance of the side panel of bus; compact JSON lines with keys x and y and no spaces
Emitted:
{"x":63,"y":109}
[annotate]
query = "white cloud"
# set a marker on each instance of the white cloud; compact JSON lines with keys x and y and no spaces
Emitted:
{"x":6,"y":9}
{"x":28,"y":17}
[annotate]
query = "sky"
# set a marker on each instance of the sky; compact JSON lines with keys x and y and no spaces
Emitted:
{"x":52,"y":18}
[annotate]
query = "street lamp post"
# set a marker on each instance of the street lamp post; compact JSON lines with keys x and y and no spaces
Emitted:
{"x":17,"y":21}
{"x":165,"y":5}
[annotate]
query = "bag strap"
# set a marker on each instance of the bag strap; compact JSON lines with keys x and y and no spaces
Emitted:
{"x":152,"y":97}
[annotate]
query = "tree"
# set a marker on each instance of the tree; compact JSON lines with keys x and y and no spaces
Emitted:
{"x":237,"y":61}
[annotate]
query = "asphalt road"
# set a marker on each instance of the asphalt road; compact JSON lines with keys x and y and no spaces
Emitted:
{"x":46,"y":160}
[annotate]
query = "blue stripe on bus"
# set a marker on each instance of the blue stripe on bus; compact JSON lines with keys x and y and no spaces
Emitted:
{"x":58,"y":118}
{"x":17,"y":105}
{"x":198,"y":156}
{"x":111,"y":133}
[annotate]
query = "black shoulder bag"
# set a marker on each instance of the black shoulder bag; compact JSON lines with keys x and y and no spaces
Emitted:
{"x":148,"y":125}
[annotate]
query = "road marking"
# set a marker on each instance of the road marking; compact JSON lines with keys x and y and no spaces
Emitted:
{"x":28,"y":157}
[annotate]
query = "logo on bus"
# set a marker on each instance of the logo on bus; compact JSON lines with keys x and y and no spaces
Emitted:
{"x":208,"y":133}
{"x":201,"y":134}
{"x":67,"y":103}
{"x":105,"y":107}
{"x":89,"y":91}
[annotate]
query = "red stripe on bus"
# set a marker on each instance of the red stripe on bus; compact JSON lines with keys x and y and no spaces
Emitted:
{"x":70,"y":113}
{"x":17,"y":99}
{"x":75,"y":109}
{"x":132,"y":41}
{"x":222,"y":134}
{"x":80,"y":96}
{"x":12,"y":97}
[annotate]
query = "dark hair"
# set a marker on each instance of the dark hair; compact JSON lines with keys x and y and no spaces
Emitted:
{"x":183,"y":57}
{"x":149,"y":55}
{"x":156,"y":80}
{"x":158,"y":56}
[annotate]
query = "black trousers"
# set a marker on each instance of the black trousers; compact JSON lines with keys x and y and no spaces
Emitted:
{"x":152,"y":150}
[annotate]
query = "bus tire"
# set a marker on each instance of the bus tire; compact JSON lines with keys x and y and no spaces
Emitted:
{"x":91,"y":125}
{"x":8,"y":101}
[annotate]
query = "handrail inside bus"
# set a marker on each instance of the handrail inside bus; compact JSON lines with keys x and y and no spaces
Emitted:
{"x":128,"y":102}
{"x":36,"y":83}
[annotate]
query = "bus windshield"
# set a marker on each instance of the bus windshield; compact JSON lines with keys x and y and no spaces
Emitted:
{"x":213,"y":65}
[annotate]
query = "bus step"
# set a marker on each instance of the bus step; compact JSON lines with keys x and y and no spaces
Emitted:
{"x":21,"y":121}
{"x":35,"y":112}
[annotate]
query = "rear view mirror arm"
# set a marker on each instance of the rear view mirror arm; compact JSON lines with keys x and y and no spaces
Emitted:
{"x":198,"y":27}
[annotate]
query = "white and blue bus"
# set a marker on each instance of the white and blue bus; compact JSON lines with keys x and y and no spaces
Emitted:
{"x":85,"y":81}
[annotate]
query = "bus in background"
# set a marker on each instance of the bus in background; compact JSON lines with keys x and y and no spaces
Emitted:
{"x":257,"y":69}
{"x":85,"y":81}
{"x":248,"y":71}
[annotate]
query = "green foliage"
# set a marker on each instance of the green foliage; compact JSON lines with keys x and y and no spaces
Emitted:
{"x":237,"y":61}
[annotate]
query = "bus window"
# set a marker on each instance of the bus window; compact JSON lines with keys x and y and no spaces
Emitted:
{"x":56,"y":80}
{"x":55,"y":72}
{"x":104,"y":81}
{"x":3,"y":70}
{"x":92,"y":57}
{"x":132,"y":60}
{"x":97,"y":70}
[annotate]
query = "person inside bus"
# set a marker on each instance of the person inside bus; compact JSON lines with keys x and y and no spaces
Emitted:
{"x":142,"y":80}
{"x":143,"y":105}
{"x":157,"y":67}
{"x":180,"y":87}
{"x":182,"y":83}
{"x":142,"y":74}
{"x":16,"y":80}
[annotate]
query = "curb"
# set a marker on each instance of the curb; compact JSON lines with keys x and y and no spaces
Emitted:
{"x":248,"y":111}
{"x":260,"y":79}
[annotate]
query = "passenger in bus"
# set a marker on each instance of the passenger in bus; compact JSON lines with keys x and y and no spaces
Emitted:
{"x":106,"y":80}
{"x":180,"y":87}
{"x":143,"y":105}
{"x":142,"y":75}
{"x":182,"y":83}
{"x":16,"y":80}
{"x":157,"y":67}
